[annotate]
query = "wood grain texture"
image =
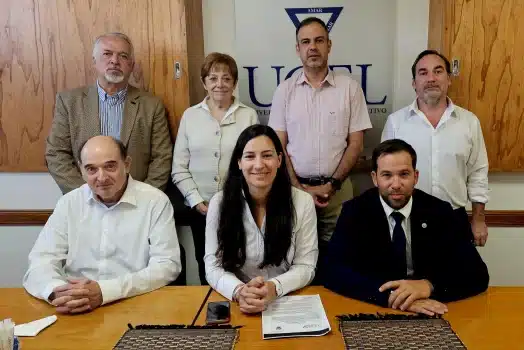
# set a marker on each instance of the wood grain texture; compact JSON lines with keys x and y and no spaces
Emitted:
{"x":103,"y":327}
{"x":24,"y":217}
{"x":491,"y":320}
{"x":494,"y":218}
{"x":486,"y":37}
{"x":195,"y":49}
{"x":436,"y":29}
{"x":46,"y":47}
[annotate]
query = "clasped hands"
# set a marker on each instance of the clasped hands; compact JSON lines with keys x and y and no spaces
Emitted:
{"x":79,"y":295}
{"x":413,"y":296}
{"x":321,"y":194}
{"x":256,"y":295}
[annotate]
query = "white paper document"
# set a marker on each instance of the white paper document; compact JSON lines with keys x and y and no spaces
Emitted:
{"x":295,"y":316}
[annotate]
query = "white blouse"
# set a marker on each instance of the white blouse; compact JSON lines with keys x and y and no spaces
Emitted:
{"x":295,"y":272}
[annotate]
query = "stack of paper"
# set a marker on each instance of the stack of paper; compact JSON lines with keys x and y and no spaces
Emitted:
{"x":295,"y":316}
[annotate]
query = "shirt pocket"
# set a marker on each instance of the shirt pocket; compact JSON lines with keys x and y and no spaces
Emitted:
{"x":83,"y":249}
{"x":457,"y":149}
{"x":338,"y":120}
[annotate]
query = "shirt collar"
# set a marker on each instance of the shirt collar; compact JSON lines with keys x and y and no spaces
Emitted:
{"x":103,"y":96}
{"x":330,"y":78}
{"x":128,"y":197}
{"x":449,"y":112}
{"x":229,"y":117}
{"x":406,"y":210}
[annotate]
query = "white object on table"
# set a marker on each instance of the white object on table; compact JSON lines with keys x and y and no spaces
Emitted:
{"x":295,"y":316}
{"x":6,"y":334}
{"x":31,"y":329}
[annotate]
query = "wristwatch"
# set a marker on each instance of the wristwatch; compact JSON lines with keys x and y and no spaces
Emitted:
{"x":336,"y":183}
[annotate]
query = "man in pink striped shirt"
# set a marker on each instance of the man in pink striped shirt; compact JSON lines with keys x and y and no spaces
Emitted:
{"x":320,"y":119}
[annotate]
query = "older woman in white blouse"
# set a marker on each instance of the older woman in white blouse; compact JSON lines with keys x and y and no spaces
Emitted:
{"x":206,"y":136}
{"x":261,"y":233}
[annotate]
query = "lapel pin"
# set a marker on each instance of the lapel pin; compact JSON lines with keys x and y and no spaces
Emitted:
{"x":424,"y":225}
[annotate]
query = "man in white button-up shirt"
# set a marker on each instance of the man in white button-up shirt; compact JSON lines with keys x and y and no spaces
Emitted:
{"x":112,"y":238}
{"x":453,"y":161}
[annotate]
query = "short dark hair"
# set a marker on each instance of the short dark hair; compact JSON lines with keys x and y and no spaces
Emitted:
{"x":311,"y":20}
{"x":121,"y":147}
{"x":426,"y":53}
{"x":390,"y":147}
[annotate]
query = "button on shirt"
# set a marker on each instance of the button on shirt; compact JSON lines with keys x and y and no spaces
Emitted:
{"x":318,"y":120}
{"x":294,"y":273}
{"x":451,"y":158}
{"x":111,"y":111}
{"x":406,"y":225}
{"x":203,"y":149}
{"x":129,"y":249}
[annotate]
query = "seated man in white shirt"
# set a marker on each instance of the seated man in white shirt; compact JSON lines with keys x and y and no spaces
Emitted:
{"x":112,"y":238}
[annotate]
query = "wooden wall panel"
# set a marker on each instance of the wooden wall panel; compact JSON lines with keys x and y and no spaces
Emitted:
{"x":494,"y":218}
{"x":46,"y":46}
{"x":437,"y":28}
{"x":486,"y":37}
{"x":195,"y":49}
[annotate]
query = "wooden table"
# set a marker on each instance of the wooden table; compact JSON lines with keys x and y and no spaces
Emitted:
{"x":492,"y":320}
{"x":101,"y":328}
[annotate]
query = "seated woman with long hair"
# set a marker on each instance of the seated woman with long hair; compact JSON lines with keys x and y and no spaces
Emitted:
{"x":261,"y":233}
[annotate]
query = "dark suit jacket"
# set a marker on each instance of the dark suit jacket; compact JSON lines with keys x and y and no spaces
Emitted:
{"x":144,"y":131}
{"x":360,"y":251}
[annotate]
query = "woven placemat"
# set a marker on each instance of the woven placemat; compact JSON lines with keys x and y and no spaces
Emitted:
{"x":180,"y":338}
{"x":406,"y":332}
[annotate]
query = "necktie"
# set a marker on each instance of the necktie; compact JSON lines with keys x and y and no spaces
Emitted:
{"x":399,"y":245}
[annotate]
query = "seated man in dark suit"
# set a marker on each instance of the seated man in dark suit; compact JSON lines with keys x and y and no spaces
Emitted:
{"x":398,"y":246}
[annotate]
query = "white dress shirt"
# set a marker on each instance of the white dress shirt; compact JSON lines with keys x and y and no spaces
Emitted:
{"x":296,"y":272}
{"x":203,"y":149}
{"x":451,"y":158}
{"x":406,"y":225}
{"x":129,"y":249}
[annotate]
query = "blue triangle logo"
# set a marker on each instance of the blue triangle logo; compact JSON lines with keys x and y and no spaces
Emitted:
{"x":312,"y":11}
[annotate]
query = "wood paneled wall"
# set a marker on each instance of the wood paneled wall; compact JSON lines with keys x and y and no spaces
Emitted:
{"x":486,"y":37}
{"x":195,"y":50}
{"x":46,"y":47}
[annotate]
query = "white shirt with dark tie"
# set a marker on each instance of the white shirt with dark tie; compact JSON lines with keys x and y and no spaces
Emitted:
{"x":406,"y":225}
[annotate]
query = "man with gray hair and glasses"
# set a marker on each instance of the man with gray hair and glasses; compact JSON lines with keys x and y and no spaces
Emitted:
{"x":113,"y":108}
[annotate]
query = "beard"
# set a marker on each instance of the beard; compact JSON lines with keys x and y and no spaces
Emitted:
{"x":432,"y":97}
{"x":317,"y":62}
{"x":395,"y":204}
{"x":114,"y":78}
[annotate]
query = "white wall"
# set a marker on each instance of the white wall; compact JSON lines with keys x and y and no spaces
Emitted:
{"x":503,"y":253}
